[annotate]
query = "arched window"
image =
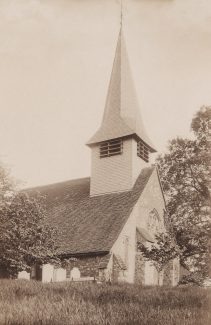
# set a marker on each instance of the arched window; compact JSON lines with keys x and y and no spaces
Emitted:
{"x":153,"y":223}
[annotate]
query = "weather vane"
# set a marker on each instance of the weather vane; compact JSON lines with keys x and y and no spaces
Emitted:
{"x":121,"y":15}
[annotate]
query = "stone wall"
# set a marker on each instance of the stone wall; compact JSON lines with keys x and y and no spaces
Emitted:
{"x":151,"y":199}
{"x":171,"y":273}
{"x":176,"y":271}
{"x":119,"y":248}
{"x":139,"y":269}
{"x":90,"y":266}
{"x":183,"y":272}
{"x":115,"y":271}
{"x":168,"y":274}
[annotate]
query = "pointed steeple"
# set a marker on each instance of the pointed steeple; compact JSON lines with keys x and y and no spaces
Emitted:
{"x":121,"y":115}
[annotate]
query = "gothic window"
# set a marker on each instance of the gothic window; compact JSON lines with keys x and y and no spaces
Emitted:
{"x":153,"y":224}
{"x":143,"y":151}
{"x":111,"y":148}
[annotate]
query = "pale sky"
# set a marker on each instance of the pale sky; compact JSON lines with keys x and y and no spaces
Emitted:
{"x":55,"y":62}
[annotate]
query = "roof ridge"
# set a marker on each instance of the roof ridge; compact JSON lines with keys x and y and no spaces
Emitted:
{"x":54,"y":184}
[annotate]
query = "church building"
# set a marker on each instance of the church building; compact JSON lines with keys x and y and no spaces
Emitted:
{"x":102,"y":218}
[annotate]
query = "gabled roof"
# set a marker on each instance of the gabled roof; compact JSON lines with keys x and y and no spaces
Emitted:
{"x":88,"y":224}
{"x":122,"y":114}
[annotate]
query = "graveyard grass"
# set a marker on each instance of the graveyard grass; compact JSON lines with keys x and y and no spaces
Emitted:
{"x":28,"y":302}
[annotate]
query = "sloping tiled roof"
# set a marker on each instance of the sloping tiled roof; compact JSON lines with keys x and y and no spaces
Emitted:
{"x":88,"y":224}
{"x":122,"y":114}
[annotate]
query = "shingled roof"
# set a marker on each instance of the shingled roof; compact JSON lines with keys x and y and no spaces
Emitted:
{"x":88,"y":224}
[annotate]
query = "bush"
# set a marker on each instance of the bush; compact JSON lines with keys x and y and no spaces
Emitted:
{"x":193,"y":278}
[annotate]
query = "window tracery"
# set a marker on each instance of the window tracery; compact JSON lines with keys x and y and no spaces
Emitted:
{"x":153,"y":223}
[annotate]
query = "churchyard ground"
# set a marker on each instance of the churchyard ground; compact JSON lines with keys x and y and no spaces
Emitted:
{"x":29,"y":302}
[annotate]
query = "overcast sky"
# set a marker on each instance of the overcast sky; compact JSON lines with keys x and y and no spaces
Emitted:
{"x":55,"y":62}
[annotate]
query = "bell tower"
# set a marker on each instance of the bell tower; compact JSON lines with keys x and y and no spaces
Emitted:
{"x":120,"y":148}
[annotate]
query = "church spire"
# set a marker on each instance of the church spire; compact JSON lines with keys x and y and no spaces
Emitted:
{"x":122,"y":114}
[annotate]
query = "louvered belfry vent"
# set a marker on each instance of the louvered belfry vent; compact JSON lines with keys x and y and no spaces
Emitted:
{"x":111,"y":148}
{"x":143,"y":151}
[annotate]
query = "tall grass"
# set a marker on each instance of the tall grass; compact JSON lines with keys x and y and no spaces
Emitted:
{"x":27,"y":303}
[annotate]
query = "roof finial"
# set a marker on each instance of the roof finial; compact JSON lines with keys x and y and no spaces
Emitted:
{"x":121,"y":16}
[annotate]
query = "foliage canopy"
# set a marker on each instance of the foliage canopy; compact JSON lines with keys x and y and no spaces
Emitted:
{"x":25,"y":237}
{"x":185,"y":176}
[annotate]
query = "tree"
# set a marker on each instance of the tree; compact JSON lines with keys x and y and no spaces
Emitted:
{"x":25,"y":237}
{"x":185,"y":176}
{"x":160,"y":253}
{"x":6,"y":184}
